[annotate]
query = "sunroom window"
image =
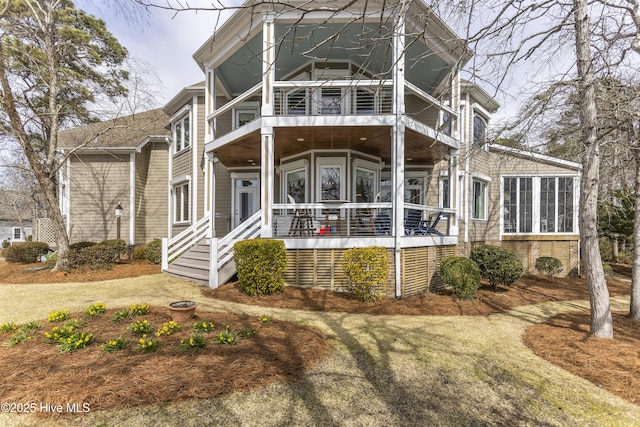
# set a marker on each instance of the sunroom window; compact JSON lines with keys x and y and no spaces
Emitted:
{"x":538,"y":204}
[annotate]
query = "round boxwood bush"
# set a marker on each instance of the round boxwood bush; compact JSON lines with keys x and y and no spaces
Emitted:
{"x":462,"y":274}
{"x":261,"y":264}
{"x":366,"y":270}
{"x":549,"y":265}
{"x":26,"y":252}
{"x":498,"y":265}
{"x":153,"y":251}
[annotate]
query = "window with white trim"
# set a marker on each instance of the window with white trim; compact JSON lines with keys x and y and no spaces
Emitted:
{"x":17,"y":233}
{"x":479,"y":200}
{"x":479,"y":129}
{"x":182,"y":133}
{"x":538,"y":204}
{"x":181,"y":204}
{"x":445,"y":194}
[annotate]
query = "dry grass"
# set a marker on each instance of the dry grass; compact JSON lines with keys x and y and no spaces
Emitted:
{"x":462,"y":367}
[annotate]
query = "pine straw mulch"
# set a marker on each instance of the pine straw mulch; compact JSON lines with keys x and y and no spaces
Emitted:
{"x":35,"y":371}
{"x":614,"y":364}
{"x":16,"y":273}
{"x":528,"y":290}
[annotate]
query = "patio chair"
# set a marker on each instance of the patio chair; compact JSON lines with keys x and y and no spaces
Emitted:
{"x":431,"y":223}
{"x":301,"y":223}
{"x":383,"y":224}
{"x":414,"y":224}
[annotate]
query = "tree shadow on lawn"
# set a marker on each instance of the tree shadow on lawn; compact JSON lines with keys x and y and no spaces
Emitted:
{"x":561,"y":342}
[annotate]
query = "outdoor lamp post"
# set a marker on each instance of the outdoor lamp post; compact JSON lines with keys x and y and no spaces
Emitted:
{"x":118,"y":216}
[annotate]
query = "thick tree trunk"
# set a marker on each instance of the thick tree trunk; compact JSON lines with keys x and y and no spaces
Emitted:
{"x":601,"y":321}
{"x":634,"y":306}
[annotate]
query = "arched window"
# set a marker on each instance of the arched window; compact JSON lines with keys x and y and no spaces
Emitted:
{"x":479,"y":129}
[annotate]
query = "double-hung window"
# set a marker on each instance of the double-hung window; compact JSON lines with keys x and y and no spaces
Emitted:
{"x":181,"y":203}
{"x":479,"y":200}
{"x":17,"y":234}
{"x":182,"y":133}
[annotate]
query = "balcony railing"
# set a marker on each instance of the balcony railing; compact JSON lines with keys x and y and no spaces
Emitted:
{"x":336,"y":97}
{"x":344,"y":219}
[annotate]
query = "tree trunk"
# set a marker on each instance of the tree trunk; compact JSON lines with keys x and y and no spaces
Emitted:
{"x":614,"y":249}
{"x":601,"y":322}
{"x":634,"y":306}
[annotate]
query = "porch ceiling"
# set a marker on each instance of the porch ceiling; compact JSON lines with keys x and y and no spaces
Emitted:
{"x":419,"y":149}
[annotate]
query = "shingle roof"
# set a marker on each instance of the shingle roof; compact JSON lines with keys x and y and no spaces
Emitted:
{"x":125,"y":132}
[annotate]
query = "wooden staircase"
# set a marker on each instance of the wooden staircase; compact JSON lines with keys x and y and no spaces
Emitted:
{"x":191,"y":254}
{"x":193,"y":264}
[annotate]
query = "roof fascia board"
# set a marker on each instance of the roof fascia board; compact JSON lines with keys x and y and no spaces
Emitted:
{"x":184,"y":96}
{"x":152,"y":138}
{"x":535,"y":156}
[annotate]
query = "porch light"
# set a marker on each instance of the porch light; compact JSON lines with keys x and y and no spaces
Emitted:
{"x":300,"y":139}
{"x":118,"y":216}
{"x":363,"y":138}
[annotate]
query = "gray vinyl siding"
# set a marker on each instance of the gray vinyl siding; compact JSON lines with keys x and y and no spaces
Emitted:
{"x":99,"y":183}
{"x":223,"y":200}
{"x":200,"y":159}
{"x":152,"y":196}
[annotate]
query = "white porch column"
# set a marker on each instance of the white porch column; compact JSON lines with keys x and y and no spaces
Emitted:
{"x":397,"y":136}
{"x":267,"y":168}
{"x":453,"y":189}
{"x":268,"y":64}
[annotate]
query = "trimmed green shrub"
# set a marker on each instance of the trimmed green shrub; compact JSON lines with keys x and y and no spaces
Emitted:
{"x":100,"y":256}
{"x":261,"y":264}
{"x":462,"y":274}
{"x":153,"y":251}
{"x":139,"y":252}
{"x":26,"y":252}
{"x":367,"y":270}
{"x":549,"y":265}
{"x":81,"y":245}
{"x":6,"y":244}
{"x":498,"y":265}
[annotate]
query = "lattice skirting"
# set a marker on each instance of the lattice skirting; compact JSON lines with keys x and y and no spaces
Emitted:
{"x":44,"y":231}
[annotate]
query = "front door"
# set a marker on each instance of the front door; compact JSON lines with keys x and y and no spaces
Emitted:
{"x":246,"y":199}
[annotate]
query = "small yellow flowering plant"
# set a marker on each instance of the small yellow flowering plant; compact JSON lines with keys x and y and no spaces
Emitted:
{"x":7,"y":328}
{"x":147,"y":344}
{"x":59,"y":333}
{"x":75,"y":342}
{"x":19,"y":338}
{"x":227,"y":336}
{"x":95,"y":310}
{"x":202,"y":327}
{"x":140,"y":327}
{"x":194,"y":342}
{"x":265,"y":320}
{"x":139,"y":309}
{"x":114,"y":344}
{"x":169,"y":328}
{"x":58,"y":315}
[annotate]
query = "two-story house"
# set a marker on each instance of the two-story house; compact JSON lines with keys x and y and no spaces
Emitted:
{"x":337,"y":129}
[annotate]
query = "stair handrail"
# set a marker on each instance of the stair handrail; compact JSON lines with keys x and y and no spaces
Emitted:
{"x":248,"y":229}
{"x":183,"y":241}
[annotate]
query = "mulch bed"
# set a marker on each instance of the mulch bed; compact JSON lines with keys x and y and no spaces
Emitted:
{"x":612,"y":364}
{"x":528,"y":290}
{"x":17,"y":273}
{"x":106,"y":380}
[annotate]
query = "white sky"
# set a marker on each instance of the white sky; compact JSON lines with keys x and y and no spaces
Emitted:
{"x":166,"y":42}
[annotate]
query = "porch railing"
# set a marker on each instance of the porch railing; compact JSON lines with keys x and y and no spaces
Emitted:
{"x":345,"y":219}
{"x":176,"y":246}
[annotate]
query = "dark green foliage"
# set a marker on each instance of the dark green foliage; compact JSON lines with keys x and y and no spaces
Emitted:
{"x":100,"y":256}
{"x":261,"y":264}
{"x":6,"y":244}
{"x":26,"y":252}
{"x":549,"y":265}
{"x":153,"y":251}
{"x":367,"y":270}
{"x":462,"y":274}
{"x":498,"y":265}
{"x":81,"y":245}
